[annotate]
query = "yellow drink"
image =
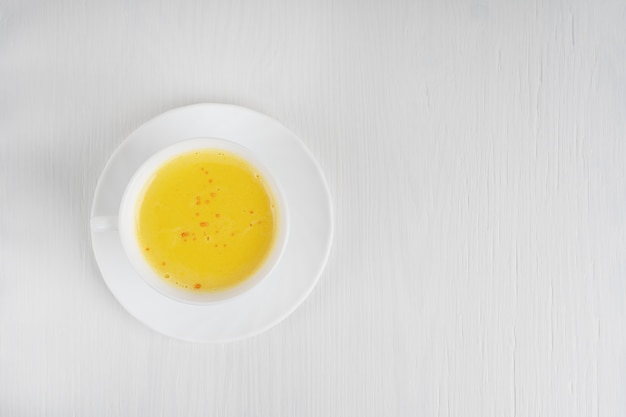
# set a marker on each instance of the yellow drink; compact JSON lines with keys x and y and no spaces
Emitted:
{"x":206,"y":220}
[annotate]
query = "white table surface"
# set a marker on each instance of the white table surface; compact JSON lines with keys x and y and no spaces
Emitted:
{"x":476,"y":153}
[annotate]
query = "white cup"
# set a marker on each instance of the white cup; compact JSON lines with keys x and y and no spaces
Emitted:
{"x":127,"y":216}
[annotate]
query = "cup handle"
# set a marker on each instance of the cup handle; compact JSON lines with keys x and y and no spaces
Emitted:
{"x":103,"y":223}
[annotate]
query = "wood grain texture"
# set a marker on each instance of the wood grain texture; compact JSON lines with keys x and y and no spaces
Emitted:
{"x":475,"y":151}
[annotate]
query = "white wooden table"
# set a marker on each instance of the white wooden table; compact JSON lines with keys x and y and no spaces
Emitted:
{"x":476,"y":153}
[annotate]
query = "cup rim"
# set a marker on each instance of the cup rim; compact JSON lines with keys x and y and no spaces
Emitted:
{"x":128,"y":236}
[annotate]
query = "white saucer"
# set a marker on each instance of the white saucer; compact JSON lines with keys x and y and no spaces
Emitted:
{"x":308,"y":243}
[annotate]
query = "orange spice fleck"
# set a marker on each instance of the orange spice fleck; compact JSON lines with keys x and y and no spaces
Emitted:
{"x":217,"y":215}
{"x":203,"y":224}
{"x":197,"y":286}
